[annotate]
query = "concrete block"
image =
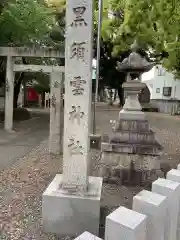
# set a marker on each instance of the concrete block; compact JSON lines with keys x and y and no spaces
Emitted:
{"x":87,"y":236}
{"x":125,"y":224}
{"x":171,"y":190}
{"x":70,"y":214}
{"x":154,"y":206}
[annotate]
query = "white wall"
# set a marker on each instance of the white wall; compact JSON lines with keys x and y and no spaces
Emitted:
{"x":155,"y":82}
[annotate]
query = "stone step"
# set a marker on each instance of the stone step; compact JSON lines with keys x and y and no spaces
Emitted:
{"x":133,"y":137}
{"x":132,"y":148}
{"x":133,"y":125}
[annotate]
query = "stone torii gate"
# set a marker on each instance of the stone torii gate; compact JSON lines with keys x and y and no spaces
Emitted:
{"x":56,"y":72}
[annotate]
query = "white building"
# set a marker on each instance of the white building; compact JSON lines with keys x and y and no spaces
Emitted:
{"x":164,"y":88}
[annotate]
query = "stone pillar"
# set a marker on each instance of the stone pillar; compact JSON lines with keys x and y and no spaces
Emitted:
{"x":40,"y":100}
{"x":154,"y":206}
{"x":171,"y":190}
{"x":77,"y":102}
{"x":125,"y":224}
{"x":21,"y":97}
{"x":56,"y":112}
{"x":71,"y":203}
{"x":9,"y":95}
{"x":46,"y":105}
{"x":174,"y":175}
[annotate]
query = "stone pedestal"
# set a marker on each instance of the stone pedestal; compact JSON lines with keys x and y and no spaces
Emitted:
{"x":71,"y":213}
{"x":132,"y":108}
{"x":131,"y":153}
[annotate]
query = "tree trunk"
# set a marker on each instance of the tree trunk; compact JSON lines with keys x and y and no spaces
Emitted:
{"x":115,"y":95}
{"x":17,"y":86}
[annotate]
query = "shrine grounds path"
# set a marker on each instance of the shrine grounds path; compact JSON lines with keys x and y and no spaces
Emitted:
{"x":28,"y":134}
{"x":27,"y":174}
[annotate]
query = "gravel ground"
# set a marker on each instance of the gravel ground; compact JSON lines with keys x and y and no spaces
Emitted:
{"x":22,"y":185}
{"x":21,"y":191}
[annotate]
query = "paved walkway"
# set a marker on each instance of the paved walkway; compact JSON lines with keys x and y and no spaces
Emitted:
{"x":27,"y":135}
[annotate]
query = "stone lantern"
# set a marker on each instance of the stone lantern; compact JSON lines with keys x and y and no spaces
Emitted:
{"x":131,"y":153}
{"x":134,"y":66}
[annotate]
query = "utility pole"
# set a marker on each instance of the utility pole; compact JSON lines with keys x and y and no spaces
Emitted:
{"x":97,"y":62}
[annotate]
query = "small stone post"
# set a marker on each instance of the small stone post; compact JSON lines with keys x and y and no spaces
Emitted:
{"x":174,"y":175}
{"x":9,"y":95}
{"x":125,"y":224}
{"x":154,"y":206}
{"x":87,"y":236}
{"x":171,"y":190}
{"x":56,"y":112}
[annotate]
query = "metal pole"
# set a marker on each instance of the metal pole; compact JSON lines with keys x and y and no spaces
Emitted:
{"x":97,"y":61}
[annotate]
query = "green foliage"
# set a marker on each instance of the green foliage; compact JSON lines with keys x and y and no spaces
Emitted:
{"x":41,"y":83}
{"x":58,"y":30}
{"x":29,"y":23}
{"x":154,"y":23}
{"x":108,"y":75}
{"x":25,"y":22}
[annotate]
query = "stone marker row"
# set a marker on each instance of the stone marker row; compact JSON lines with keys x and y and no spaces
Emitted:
{"x":155,"y":214}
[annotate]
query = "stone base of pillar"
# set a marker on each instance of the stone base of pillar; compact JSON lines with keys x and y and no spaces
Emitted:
{"x":70,"y":214}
